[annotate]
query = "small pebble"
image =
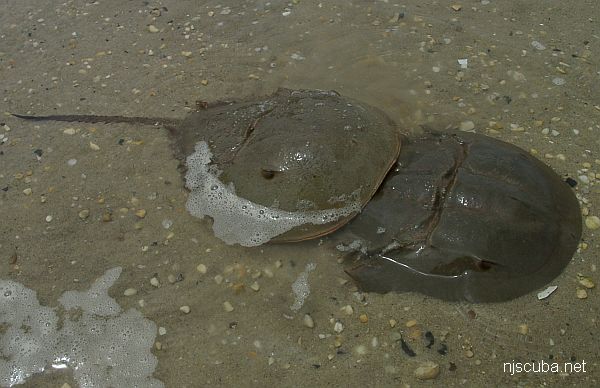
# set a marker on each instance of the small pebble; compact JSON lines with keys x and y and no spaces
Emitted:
{"x":363,"y":318}
{"x":581,"y":293}
{"x":374,"y":342}
{"x":427,"y":371}
{"x":152,"y":28}
{"x":592,"y":222}
{"x":337,"y":342}
{"x":201,"y":268}
{"x":48,"y":218}
{"x":107,"y":216}
{"x":308,"y":321}
{"x":348,"y":310}
{"x":218,"y":279}
{"x":584,"y":179}
{"x":586,"y":282}
{"x":83,"y":214}
{"x":546,"y":292}
{"x":130,"y":292}
{"x":141,"y":213}
{"x":411,"y":323}
{"x":338,"y":327}
{"x":162,"y":331}
{"x":467,"y":126}
{"x":393,"y":323}
{"x":27,"y":191}
{"x":361,"y":350}
{"x":94,"y":146}
{"x":154,"y":281}
{"x":71,"y":162}
{"x":227,"y":306}
{"x":537,"y":45}
{"x":523,"y":329}
{"x":185,"y":309}
{"x":255,"y":286}
{"x":469,"y":353}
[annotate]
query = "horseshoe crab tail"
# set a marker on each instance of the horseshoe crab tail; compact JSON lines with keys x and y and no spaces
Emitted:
{"x":169,"y":123}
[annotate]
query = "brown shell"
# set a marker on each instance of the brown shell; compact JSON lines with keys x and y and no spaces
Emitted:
{"x":296,"y":150}
{"x":466,"y":217}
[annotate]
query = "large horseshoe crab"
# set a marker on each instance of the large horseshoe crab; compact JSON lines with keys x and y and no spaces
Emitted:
{"x":286,"y":167}
{"x":465,"y":217}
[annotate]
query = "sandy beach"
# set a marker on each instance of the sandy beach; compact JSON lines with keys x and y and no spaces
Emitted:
{"x":77,"y":200}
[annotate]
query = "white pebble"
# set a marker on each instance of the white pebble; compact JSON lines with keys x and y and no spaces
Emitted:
{"x":201,"y":268}
{"x":185,"y":309}
{"x":130,"y":292}
{"x":308,"y":321}
{"x":546,"y":293}
{"x":592,"y":222}
{"x":338,"y":327}
{"x":558,"y":81}
{"x":48,"y":218}
{"x":584,"y":179}
{"x":348,"y":310}
{"x":427,"y":370}
{"x":72,"y":162}
{"x":162,"y":331}
{"x":467,"y":126}
{"x":154,"y":281}
{"x":374,"y":342}
{"x":227,"y":306}
{"x":537,"y":45}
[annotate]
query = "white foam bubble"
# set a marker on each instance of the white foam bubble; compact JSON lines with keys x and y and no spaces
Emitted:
{"x":237,"y":220}
{"x":104,"y":346}
{"x":301,"y":288}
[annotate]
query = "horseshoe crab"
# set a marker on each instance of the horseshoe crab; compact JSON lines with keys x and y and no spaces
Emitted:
{"x":465,"y":217}
{"x":290,"y":166}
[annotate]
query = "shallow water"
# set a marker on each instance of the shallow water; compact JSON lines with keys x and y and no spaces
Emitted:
{"x":102,"y":58}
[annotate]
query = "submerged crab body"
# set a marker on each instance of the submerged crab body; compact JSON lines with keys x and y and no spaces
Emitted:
{"x":466,"y":217}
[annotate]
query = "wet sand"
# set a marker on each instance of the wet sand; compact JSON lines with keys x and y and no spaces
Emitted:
{"x":529,"y":79}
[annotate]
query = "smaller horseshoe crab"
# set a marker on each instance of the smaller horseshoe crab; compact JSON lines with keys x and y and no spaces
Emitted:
{"x":465,"y":217}
{"x":290,"y":166}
